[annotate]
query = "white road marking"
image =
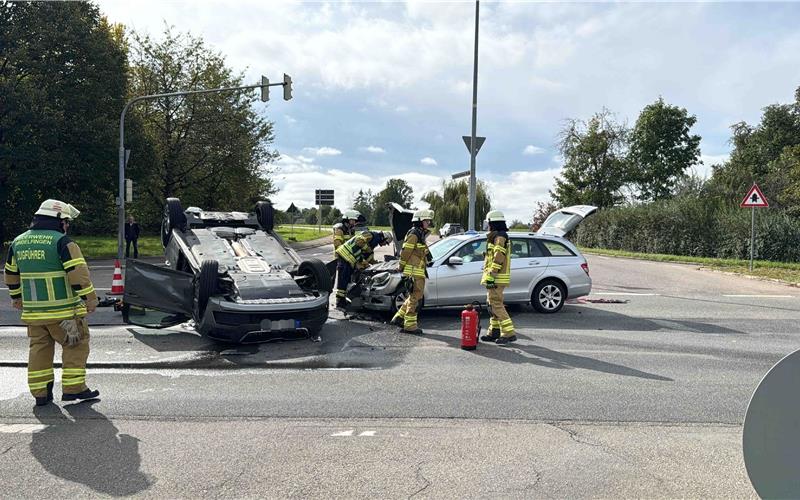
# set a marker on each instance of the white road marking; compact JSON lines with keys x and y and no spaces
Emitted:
{"x":627,"y":293}
{"x":753,"y":296}
{"x":21,"y":428}
{"x":368,"y":433}
{"x":343,"y":433}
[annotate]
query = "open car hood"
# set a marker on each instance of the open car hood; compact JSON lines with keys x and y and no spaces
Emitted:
{"x":400,"y":220}
{"x":561,"y":222}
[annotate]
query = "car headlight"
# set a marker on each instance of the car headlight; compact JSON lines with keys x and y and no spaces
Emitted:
{"x":380,"y":279}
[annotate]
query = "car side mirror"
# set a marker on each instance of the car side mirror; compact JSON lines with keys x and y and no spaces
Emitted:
{"x":455,"y":261}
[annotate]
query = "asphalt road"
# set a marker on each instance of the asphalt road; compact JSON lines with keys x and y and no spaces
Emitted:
{"x":640,"y":394}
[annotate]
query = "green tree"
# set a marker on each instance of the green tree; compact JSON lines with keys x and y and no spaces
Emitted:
{"x":452,"y":203}
{"x":594,"y":168}
{"x":364,"y":202}
{"x":397,"y":191}
{"x":211,"y":150}
{"x":661,"y":149}
{"x":766,"y":154}
{"x":62,"y":87}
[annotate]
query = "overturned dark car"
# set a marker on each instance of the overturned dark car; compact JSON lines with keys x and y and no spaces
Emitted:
{"x":230,"y":273}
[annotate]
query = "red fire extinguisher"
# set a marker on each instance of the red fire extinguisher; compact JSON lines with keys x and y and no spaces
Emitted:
{"x":470,"y":326}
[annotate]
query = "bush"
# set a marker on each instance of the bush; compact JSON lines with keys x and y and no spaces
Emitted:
{"x":701,"y":227}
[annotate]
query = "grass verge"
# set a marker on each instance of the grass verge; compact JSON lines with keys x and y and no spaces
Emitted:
{"x":784,"y":271}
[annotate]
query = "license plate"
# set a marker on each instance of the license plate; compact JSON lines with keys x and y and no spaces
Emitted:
{"x":279,"y":325}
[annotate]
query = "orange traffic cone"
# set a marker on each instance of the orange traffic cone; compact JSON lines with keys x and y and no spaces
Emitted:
{"x":117,"y":286}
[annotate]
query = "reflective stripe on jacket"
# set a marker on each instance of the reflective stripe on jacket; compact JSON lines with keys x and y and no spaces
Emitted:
{"x":48,"y":272}
{"x":414,"y":255}
{"x":341,"y":232}
{"x":498,"y":258}
{"x":358,"y":248}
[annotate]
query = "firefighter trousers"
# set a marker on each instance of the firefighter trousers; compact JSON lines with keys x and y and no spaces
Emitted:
{"x":73,"y":358}
{"x":499,"y":320}
{"x":344,"y":273}
{"x":408,"y":311}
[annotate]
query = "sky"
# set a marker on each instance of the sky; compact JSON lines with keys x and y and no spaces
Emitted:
{"x":384,"y":90}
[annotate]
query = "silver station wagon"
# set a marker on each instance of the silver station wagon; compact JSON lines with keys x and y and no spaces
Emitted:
{"x":546,"y":268}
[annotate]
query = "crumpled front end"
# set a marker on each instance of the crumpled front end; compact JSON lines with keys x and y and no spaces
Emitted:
{"x":379,"y":283}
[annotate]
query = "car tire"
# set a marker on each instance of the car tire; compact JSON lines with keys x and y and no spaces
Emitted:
{"x":205,"y":286}
{"x":549,"y":296}
{"x":265,"y":214}
{"x":173,"y":218}
{"x":401,"y":295}
{"x":320,"y":274}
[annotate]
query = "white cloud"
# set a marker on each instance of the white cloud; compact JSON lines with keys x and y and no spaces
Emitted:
{"x":401,"y":109}
{"x":428,"y":161}
{"x":531,"y":150}
{"x":516,"y":194}
{"x":374,"y":149}
{"x":323,"y":151}
{"x":290,"y":120}
{"x":705,"y":170}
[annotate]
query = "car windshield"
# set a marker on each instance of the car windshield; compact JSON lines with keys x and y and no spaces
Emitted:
{"x":441,"y":247}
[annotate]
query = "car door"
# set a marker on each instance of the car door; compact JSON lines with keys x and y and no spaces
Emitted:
{"x":527,"y":264}
{"x":565,"y":220}
{"x":461,"y":284}
{"x":155,"y":296}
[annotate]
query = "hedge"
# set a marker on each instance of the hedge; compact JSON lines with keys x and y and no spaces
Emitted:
{"x":695,"y":227}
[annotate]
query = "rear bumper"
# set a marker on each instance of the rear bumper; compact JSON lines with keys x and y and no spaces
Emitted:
{"x":251,"y":323}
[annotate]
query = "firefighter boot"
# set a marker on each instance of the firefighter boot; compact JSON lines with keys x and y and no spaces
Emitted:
{"x":492,"y":336}
{"x":397,"y":319}
{"x":43,"y":400}
{"x":87,"y":394}
{"x":412,"y":331}
{"x":506,"y":340}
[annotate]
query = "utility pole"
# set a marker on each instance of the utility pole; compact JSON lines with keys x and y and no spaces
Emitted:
{"x":264,"y":86}
{"x":473,"y":144}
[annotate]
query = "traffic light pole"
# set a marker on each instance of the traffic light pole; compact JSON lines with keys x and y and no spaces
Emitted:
{"x":121,"y":198}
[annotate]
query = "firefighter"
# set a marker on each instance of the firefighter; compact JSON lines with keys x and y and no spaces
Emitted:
{"x":343,"y":231}
{"x":48,"y":279}
{"x":351,"y":254}
{"x":496,"y":277}
{"x":414,"y":260}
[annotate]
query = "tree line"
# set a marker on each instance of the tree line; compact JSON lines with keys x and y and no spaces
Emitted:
{"x":65,"y":75}
{"x":653,"y":202}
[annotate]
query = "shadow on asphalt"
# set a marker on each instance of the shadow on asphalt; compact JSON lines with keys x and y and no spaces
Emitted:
{"x":576,"y":317}
{"x":548,"y":358}
{"x":88,"y":449}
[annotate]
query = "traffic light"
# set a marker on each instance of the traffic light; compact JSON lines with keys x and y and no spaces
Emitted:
{"x":264,"y":88}
{"x":287,"y":87}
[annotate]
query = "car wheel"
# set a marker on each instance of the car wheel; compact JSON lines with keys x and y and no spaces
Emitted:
{"x":265,"y":214}
{"x":173,"y":218}
{"x":319,"y":276}
{"x":549,"y":296}
{"x":205,"y":286}
{"x":400,"y":296}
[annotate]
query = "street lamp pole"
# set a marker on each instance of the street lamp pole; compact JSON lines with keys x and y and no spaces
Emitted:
{"x":472,"y":153}
{"x":121,"y":198}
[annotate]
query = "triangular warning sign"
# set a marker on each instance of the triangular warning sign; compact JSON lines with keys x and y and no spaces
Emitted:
{"x":754,"y":198}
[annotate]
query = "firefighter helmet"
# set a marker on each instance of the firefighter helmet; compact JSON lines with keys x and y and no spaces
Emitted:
{"x":423,"y":214}
{"x":495,"y":216}
{"x":351,"y":214}
{"x":58,"y":209}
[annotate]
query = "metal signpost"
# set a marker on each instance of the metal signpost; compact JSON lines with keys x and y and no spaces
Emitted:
{"x":264,"y":86}
{"x":754,"y":199}
{"x":322,"y":197}
{"x":472,"y":146}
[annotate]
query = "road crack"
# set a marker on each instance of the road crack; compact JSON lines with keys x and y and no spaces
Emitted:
{"x":421,"y":477}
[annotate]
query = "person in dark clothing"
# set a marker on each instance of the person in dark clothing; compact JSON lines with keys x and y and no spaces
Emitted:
{"x":131,"y":236}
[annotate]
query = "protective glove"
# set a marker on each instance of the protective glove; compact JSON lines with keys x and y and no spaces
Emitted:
{"x":490,"y":283}
{"x":70,"y":327}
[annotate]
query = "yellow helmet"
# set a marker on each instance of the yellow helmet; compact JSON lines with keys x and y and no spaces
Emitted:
{"x":58,"y":209}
